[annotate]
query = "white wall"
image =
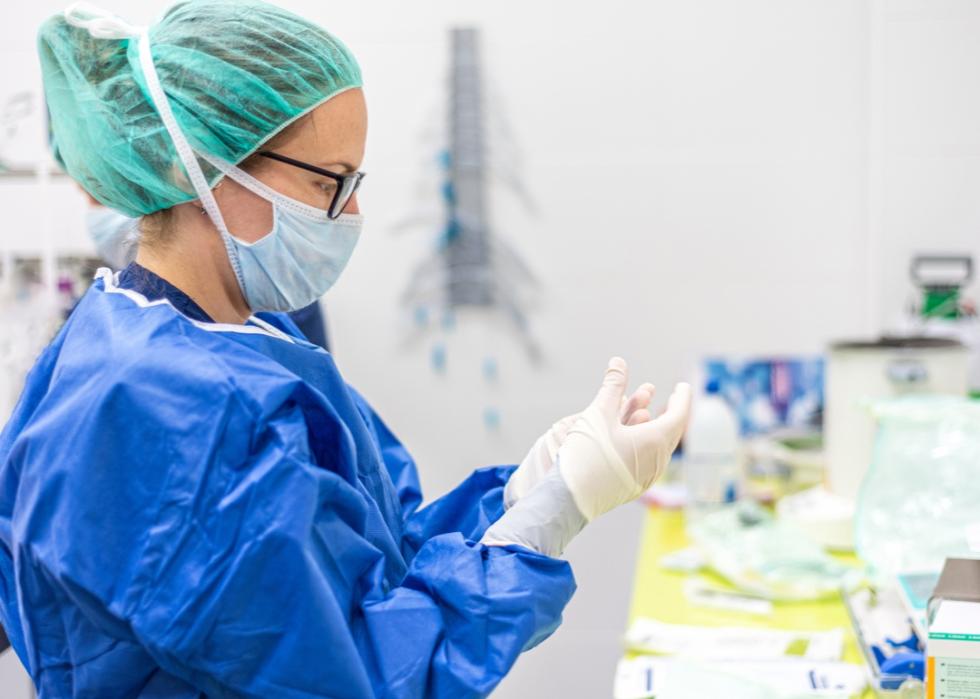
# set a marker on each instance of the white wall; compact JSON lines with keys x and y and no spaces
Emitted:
{"x":928,"y":166}
{"x":710,"y":176}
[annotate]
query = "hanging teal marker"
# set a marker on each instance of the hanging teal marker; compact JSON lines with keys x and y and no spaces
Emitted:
{"x":448,"y":320}
{"x":491,"y":419}
{"x":438,"y":359}
{"x":490,"y":369}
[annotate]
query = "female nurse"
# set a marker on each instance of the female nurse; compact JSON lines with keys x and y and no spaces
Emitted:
{"x":192,"y":500}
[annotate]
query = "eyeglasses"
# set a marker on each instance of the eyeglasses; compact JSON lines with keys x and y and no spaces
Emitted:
{"x":347,"y":185}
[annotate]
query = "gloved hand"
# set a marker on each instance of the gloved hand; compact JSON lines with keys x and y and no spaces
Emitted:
{"x":605,"y":463}
{"x":611,"y":459}
{"x":541,"y":458}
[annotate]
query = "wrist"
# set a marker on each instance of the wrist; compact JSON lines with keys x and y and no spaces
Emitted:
{"x":544,"y":520}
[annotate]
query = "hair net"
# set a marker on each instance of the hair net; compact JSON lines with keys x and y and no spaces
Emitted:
{"x":236,"y":72}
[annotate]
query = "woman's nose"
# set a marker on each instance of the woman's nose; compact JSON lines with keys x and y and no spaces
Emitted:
{"x":352,"y":206}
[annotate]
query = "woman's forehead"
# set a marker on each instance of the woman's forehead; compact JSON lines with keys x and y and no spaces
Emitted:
{"x":336,"y":128}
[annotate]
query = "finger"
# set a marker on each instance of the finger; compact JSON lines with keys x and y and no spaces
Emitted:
{"x":561,"y":428}
{"x":674,"y":418}
{"x":639,"y":400}
{"x":609,"y":399}
{"x":639,"y":417}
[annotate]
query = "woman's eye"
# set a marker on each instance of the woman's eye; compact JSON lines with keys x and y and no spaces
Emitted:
{"x":328,"y":187}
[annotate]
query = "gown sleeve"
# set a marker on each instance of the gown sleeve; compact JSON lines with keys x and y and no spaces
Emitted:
{"x":468,"y":509}
{"x":243,"y":567}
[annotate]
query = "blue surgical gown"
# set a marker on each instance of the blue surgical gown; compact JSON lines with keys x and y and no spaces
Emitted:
{"x":189,"y":508}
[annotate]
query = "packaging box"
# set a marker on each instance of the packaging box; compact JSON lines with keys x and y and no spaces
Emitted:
{"x":953,"y":648}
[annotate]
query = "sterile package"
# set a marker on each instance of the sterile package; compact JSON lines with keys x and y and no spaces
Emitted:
{"x":918,"y":502}
{"x":666,"y":678}
{"x":733,"y":643}
{"x":768,"y":557}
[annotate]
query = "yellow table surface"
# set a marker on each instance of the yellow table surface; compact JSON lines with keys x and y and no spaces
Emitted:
{"x":659,"y":594}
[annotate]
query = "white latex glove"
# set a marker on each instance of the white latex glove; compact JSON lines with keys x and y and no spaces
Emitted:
{"x":605,"y":463}
{"x":541,"y":458}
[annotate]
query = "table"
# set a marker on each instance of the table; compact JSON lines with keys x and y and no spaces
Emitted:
{"x":659,"y":594}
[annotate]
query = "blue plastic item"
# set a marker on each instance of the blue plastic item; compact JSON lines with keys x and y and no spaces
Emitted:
{"x":900,"y":667}
{"x":911,"y":643}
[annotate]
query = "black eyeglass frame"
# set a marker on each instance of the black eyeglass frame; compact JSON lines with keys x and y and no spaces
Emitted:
{"x":351,"y":181}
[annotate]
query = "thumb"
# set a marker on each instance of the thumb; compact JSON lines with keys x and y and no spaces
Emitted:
{"x":610,"y":396}
{"x":675,"y":417}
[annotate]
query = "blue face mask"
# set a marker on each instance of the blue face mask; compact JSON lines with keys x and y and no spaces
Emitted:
{"x":299,"y":259}
{"x":114,"y":234}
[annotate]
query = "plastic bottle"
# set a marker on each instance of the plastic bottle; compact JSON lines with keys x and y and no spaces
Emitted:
{"x":712,"y":455}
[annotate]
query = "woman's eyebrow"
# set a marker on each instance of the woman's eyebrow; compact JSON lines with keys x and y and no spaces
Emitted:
{"x":347,"y":167}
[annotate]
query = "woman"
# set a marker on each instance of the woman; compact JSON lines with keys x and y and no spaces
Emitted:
{"x":193,"y":501}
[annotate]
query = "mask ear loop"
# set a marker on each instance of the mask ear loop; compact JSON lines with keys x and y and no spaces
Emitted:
{"x":186,"y":153}
{"x":104,"y":25}
{"x":265,"y":191}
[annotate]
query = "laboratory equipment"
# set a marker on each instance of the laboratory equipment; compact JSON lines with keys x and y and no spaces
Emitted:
{"x":712,"y":466}
{"x":941,"y":309}
{"x":827,"y":519}
{"x":471,"y":265}
{"x":770,"y":393}
{"x":893,"y":652}
{"x":915,"y":588}
{"x":794,"y":456}
{"x":472,"y":270}
{"x":859,"y":373}
{"x":918,"y":503}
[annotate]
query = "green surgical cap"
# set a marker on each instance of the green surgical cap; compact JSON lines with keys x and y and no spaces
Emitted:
{"x":236,"y":72}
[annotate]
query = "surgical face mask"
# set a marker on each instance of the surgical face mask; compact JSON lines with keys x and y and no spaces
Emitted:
{"x":299,"y":259}
{"x":114,"y":234}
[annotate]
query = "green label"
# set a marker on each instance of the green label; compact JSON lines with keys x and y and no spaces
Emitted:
{"x":954,"y":637}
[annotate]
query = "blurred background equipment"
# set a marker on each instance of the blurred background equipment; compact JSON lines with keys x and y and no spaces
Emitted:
{"x":473,"y":273}
{"x":942,"y":309}
{"x":917,"y":503}
{"x":860,"y":373}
